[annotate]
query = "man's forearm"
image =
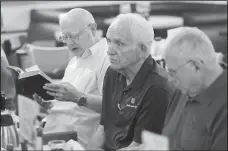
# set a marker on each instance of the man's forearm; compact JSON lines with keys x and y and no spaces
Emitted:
{"x":94,"y":102}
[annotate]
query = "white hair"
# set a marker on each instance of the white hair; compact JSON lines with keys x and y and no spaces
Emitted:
{"x":140,"y":30}
{"x":77,"y":16}
{"x":192,"y":43}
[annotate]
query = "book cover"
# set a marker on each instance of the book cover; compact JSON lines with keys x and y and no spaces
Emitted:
{"x":32,"y":81}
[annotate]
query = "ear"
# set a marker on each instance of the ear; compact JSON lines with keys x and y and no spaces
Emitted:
{"x":143,"y":48}
{"x":93,"y":28}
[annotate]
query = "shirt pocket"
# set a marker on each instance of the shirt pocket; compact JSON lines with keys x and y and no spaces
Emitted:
{"x":84,"y":80}
{"x":125,"y":116}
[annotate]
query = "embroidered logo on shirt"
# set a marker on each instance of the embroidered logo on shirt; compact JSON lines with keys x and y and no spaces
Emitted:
{"x":132,"y":103}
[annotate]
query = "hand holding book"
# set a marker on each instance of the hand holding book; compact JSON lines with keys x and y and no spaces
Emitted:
{"x":45,"y":104}
{"x":63,"y":91}
{"x":32,"y":81}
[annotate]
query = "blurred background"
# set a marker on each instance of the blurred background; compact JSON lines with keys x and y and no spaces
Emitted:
{"x":34,"y":25}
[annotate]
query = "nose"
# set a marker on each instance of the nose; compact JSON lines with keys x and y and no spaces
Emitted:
{"x":111,"y":50}
{"x":69,"y":41}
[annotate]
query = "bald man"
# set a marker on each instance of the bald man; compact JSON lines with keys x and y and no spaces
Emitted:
{"x":136,"y":91}
{"x":196,"y":120}
{"x":79,"y":94}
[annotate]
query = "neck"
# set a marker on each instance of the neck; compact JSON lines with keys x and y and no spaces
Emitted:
{"x":132,"y":70}
{"x":95,"y":40}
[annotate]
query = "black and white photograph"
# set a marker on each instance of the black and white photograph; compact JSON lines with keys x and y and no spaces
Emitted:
{"x":113,"y":75}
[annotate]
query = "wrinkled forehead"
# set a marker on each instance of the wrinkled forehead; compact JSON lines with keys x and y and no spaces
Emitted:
{"x":68,"y":24}
{"x":119,"y":31}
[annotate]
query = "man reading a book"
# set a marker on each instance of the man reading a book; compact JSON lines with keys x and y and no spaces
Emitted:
{"x":79,"y":94}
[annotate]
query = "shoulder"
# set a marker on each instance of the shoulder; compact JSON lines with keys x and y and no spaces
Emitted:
{"x":159,"y":78}
{"x":110,"y":73}
{"x":110,"y":77}
{"x":72,"y":60}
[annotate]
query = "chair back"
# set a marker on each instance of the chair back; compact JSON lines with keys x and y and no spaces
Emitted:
{"x":49,"y":59}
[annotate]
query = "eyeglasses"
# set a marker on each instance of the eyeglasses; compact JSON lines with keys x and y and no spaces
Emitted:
{"x":173,"y":72}
{"x":73,"y":36}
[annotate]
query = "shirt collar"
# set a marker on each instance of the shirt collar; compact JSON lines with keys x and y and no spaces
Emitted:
{"x":94,"y":50}
{"x":149,"y":66}
{"x":209,"y":93}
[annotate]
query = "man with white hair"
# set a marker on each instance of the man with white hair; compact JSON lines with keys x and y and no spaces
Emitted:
{"x":79,"y":94}
{"x":135,"y":91}
{"x":196,"y":120}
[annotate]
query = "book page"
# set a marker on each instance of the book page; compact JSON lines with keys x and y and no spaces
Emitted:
{"x":33,"y":71}
{"x":154,"y":141}
{"x":33,"y":68}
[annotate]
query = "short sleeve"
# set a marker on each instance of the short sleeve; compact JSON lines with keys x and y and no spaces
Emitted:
{"x":152,"y":114}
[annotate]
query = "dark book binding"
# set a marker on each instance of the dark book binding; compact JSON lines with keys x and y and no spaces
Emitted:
{"x":33,"y":82}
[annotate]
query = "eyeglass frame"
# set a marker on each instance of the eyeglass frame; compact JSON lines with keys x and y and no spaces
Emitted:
{"x":173,"y":72}
{"x":76,"y":35}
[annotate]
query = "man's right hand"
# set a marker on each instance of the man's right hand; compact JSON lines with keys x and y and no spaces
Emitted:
{"x":45,"y":104}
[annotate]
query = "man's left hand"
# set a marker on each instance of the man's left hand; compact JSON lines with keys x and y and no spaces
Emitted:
{"x":63,"y":91}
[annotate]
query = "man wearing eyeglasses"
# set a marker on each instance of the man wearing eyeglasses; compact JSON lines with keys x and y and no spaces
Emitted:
{"x":79,"y":94}
{"x":136,"y":91}
{"x":197,"y":116}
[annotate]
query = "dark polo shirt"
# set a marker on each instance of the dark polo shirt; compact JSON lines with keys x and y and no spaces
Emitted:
{"x":199,"y":123}
{"x":127,"y":110}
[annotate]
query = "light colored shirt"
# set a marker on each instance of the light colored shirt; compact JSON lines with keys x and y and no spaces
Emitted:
{"x":86,"y":74}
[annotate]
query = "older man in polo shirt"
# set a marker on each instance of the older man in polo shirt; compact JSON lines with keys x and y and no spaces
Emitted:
{"x":135,"y":91}
{"x":79,"y":94}
{"x":196,"y":120}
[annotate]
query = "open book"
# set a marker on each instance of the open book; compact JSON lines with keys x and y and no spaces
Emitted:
{"x":32,"y":81}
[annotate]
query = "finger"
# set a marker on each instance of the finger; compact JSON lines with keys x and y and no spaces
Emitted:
{"x":53,"y":86}
{"x":54,"y":94}
{"x":62,"y":89}
{"x":50,"y":89}
{"x":35,"y":96}
{"x":59,"y":98}
{"x":64,"y":83}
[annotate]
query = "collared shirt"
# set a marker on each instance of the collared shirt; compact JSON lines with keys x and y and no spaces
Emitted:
{"x":199,"y":123}
{"x":127,"y":110}
{"x":86,"y":74}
